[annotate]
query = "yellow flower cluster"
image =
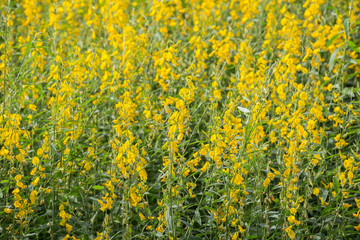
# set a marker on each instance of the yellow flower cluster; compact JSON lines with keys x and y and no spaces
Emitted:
{"x":179,"y":119}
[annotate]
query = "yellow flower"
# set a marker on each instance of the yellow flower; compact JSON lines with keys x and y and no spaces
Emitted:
{"x":205,"y":167}
{"x":303,"y":96}
{"x":342,"y":179}
{"x":134,"y":197}
{"x":186,"y":172}
{"x":337,"y":138}
{"x":40,"y":152}
{"x":32,"y":107}
{"x":68,"y":227}
{"x":357,"y":202}
{"x":35,"y":182}
{"x":17,"y":204}
{"x":271,"y":175}
{"x":15,"y":191}
{"x":235,"y":236}
{"x":290,"y":232}
{"x":18,"y":177}
{"x":143,"y":175}
{"x":314,"y":161}
{"x":7,"y":210}
{"x":238,"y":180}
{"x":87,"y":166}
{"x":35,"y":161}
{"x":33,"y":195}
{"x":33,"y":171}
{"x":291,"y":219}
{"x":217,"y":94}
{"x":350,"y":176}
{"x":316,"y":191}
{"x":357,"y":227}
{"x":142,"y":217}
{"x":266,"y":182}
{"x":19,"y":184}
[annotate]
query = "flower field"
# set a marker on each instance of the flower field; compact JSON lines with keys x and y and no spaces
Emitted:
{"x":179,"y":119}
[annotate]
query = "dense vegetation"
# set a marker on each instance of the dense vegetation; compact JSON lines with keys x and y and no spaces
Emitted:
{"x":179,"y":119}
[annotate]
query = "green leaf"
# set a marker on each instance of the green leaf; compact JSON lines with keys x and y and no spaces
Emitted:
{"x":244,"y":110}
{"x":168,"y":219}
{"x":332,"y":39}
{"x":97,"y":187}
{"x":193,"y":238}
{"x":353,"y":46}
{"x":353,"y":61}
{"x":332,"y":59}
{"x":198,"y":217}
{"x":158,"y":234}
{"x":347,"y":26}
{"x":253,"y":236}
{"x":324,"y":195}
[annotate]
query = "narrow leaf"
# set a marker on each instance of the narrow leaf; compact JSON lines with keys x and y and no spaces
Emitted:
{"x":332,"y":59}
{"x":244,"y":110}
